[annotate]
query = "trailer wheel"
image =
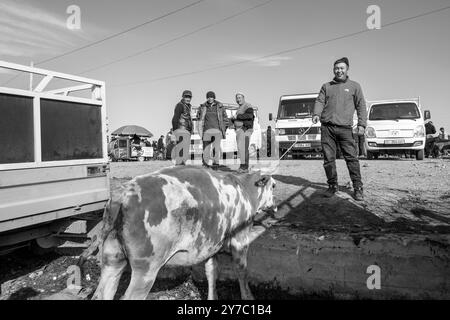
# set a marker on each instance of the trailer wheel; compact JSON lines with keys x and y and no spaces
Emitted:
{"x":419,"y":154}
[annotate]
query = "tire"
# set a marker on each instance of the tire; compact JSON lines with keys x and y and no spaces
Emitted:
{"x":369,"y":155}
{"x":375,"y":156}
{"x":419,"y":155}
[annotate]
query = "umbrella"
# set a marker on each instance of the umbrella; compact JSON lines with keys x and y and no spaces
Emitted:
{"x":132,"y":130}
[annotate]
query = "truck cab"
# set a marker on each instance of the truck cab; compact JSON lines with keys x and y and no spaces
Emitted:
{"x":294,"y":117}
{"x":395,"y":127}
{"x":54,"y":160}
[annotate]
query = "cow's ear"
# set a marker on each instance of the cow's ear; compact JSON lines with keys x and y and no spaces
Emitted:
{"x":262,"y":182}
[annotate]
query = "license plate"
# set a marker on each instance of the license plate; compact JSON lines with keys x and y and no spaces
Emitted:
{"x":396,"y":141}
{"x":303,"y":145}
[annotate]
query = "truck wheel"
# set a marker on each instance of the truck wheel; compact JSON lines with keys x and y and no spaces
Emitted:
{"x":419,"y":155}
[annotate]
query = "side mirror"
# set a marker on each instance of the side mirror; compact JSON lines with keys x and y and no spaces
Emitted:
{"x":270,"y":117}
{"x":427,"y":114}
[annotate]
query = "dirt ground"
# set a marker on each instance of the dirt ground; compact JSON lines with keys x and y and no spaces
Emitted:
{"x":401,"y":196}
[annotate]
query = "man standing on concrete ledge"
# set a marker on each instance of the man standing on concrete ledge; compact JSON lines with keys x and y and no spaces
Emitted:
{"x":243,"y":123}
{"x":335,"y":107}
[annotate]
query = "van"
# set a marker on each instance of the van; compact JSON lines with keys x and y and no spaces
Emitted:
{"x":293,"y":120}
{"x":395,"y":127}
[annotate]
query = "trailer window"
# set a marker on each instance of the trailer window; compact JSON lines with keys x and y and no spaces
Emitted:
{"x":70,"y":131}
{"x":16,"y":129}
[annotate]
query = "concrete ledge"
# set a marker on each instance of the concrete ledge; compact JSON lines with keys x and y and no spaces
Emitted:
{"x":335,"y":265}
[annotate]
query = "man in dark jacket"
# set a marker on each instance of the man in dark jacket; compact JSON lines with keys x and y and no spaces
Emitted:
{"x":182,"y":117}
{"x":431,"y":135}
{"x":335,"y":107}
{"x":213,"y":118}
{"x":243,"y":123}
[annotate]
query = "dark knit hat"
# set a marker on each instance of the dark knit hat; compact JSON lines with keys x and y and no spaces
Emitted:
{"x":344,"y":60}
{"x":210,"y":94}
{"x":187,"y":93}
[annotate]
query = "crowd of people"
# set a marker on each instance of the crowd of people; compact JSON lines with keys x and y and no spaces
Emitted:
{"x":213,"y":119}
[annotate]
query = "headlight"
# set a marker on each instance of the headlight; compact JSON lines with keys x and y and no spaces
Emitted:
{"x":281,"y":131}
{"x":370,"y":132}
{"x":419,"y":132}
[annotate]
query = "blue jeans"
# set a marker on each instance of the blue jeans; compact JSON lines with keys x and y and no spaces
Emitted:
{"x":332,"y":137}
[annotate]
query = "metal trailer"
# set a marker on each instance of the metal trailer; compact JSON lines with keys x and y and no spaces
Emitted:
{"x":54,"y":164}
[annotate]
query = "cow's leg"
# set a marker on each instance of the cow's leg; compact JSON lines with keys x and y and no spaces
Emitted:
{"x":140,"y":284}
{"x":143,"y":275}
{"x":239,"y":249}
{"x":114,"y":263}
{"x":211,"y":275}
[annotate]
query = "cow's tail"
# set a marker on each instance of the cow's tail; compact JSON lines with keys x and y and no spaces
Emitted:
{"x":104,"y":229}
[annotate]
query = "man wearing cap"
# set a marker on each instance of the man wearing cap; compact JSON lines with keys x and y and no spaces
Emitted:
{"x":243,"y":123}
{"x":182,"y":115}
{"x":335,"y":107}
{"x":213,"y":119}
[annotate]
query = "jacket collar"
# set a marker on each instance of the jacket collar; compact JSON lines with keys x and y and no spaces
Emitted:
{"x":186,"y":104}
{"x":335,"y":81}
{"x":206,"y":104}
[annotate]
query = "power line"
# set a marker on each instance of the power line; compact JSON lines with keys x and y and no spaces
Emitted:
{"x":113,"y":36}
{"x":280,"y":52}
{"x":185,"y":35}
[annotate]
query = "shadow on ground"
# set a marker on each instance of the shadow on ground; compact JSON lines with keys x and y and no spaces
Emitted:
{"x":308,"y":210}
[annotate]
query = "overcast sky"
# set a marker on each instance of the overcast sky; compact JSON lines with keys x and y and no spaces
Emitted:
{"x":405,"y":60}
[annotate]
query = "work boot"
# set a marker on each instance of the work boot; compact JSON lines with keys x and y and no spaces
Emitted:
{"x":358,"y":194}
{"x":331,"y":191}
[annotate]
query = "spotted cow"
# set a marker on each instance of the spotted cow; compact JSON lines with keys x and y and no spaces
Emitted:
{"x":181,"y":216}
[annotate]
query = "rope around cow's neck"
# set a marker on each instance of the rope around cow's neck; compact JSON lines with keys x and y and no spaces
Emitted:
{"x":297,"y":138}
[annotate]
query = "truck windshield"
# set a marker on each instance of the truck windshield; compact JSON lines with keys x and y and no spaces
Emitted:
{"x":394,"y":111}
{"x":296,"y":109}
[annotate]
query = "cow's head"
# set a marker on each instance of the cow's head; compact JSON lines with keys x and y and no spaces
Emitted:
{"x":265,"y":185}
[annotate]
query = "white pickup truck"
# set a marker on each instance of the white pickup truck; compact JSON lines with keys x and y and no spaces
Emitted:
{"x":395,"y":127}
{"x":54,"y":161}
